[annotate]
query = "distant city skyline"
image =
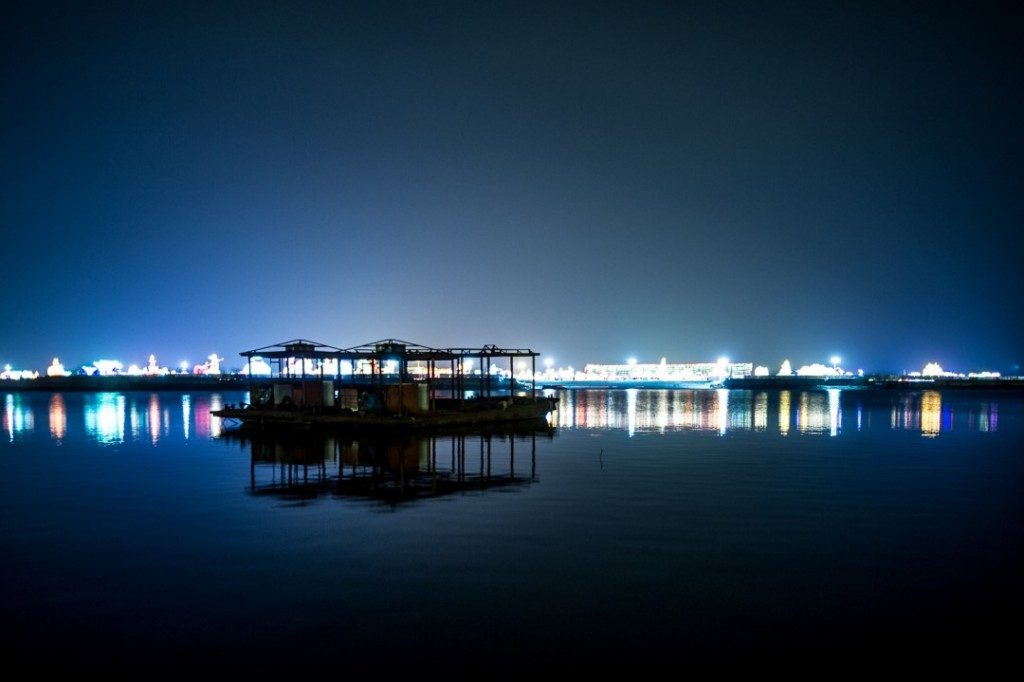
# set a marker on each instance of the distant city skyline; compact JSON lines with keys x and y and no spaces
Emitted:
{"x":597,"y":181}
{"x":109,"y":363}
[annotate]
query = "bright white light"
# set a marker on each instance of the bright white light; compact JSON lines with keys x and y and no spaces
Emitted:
{"x":786,"y":370}
{"x":18,"y":374}
{"x":184,"y":365}
{"x":723,"y":360}
{"x":835,"y":359}
{"x":212,"y":364}
{"x":549,"y":362}
{"x":760,"y":371}
{"x":107,"y":368}
{"x":154,"y":369}
{"x":56,"y":369}
{"x":631,"y":362}
{"x":260,"y":367}
{"x":817,"y":370}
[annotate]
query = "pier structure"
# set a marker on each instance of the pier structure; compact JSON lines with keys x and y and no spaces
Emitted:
{"x":387,"y":380}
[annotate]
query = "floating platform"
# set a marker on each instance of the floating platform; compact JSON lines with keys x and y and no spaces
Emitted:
{"x":448,"y":413}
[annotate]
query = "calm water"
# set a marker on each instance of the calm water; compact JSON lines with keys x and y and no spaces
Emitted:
{"x":645,"y":526}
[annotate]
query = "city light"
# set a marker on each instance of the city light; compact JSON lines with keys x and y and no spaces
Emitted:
{"x":18,"y":374}
{"x":105,"y":368}
{"x":818,"y":370}
{"x":56,"y":369}
{"x":258,"y":366}
{"x":632,"y":369}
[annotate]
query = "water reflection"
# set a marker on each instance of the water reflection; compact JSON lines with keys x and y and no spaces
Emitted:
{"x":816,"y":412}
{"x":931,"y":413}
{"x":105,"y":417}
{"x":18,"y":417}
{"x":58,"y":417}
{"x":113,"y":418}
{"x":153,"y":418}
{"x":761,"y":411}
{"x":388,"y":467}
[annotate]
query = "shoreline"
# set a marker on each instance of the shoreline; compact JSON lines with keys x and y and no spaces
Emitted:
{"x":230,"y":382}
{"x":176,"y":382}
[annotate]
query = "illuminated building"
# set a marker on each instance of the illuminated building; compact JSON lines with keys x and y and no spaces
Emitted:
{"x":56,"y":369}
{"x":18,"y":374}
{"x":155,"y":370}
{"x":819,"y":370}
{"x":104,"y":368}
{"x":698,"y":372}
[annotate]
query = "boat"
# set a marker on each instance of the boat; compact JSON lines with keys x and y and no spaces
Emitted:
{"x":388,"y":384}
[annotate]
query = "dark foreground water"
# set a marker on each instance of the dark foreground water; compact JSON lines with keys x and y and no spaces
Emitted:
{"x":647,"y":527}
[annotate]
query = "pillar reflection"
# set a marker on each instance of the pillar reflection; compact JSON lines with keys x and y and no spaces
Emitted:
{"x":391,"y":468}
{"x":784,"y":411}
{"x":931,"y":413}
{"x":105,"y":417}
{"x":153,"y":418}
{"x":186,"y":414}
{"x":18,"y":419}
{"x":58,"y":417}
{"x":761,"y":411}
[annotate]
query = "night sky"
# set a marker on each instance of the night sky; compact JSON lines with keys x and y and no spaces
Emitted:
{"x":594,"y":180}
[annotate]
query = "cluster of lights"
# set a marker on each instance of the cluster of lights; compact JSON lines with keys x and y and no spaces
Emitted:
{"x":631,"y":370}
{"x":106,"y":368}
{"x":18,"y":374}
{"x":934,"y":370}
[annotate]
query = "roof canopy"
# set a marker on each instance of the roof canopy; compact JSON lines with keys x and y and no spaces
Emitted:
{"x":382,"y":349}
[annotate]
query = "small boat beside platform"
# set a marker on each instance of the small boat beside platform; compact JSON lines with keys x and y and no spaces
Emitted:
{"x":385,"y":384}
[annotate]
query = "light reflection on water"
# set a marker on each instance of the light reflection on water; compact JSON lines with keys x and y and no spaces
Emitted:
{"x":58,"y":417}
{"x":112,"y":418}
{"x":832,"y":521}
{"x":817,"y":412}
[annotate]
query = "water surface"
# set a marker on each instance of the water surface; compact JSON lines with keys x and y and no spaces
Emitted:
{"x":644,"y":526}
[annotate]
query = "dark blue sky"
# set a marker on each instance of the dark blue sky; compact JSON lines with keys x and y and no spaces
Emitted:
{"x":593,"y":180}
